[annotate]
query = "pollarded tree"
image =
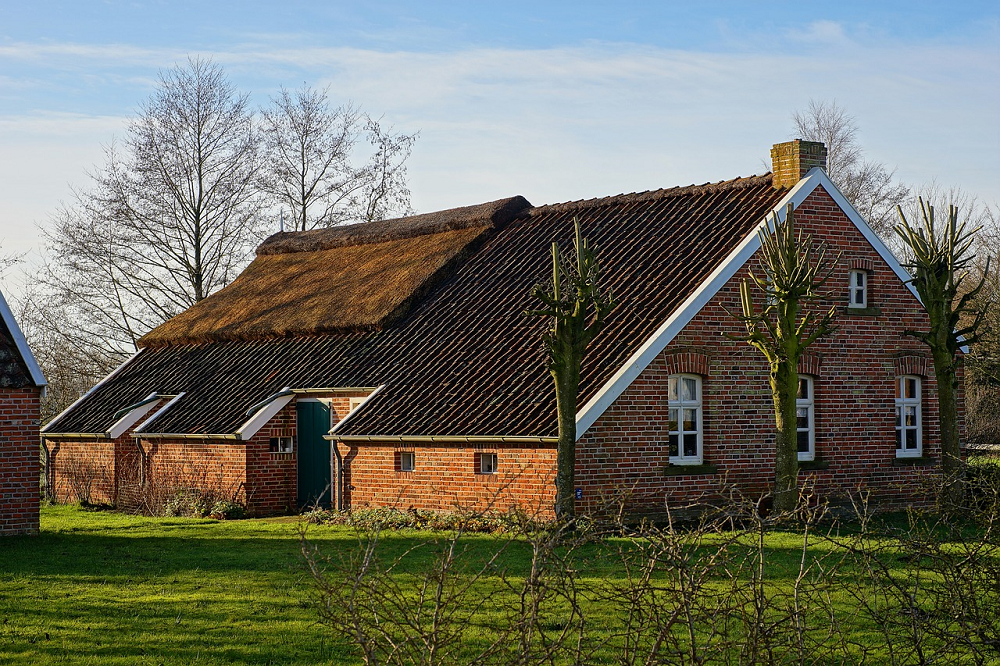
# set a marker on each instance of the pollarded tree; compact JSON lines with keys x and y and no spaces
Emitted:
{"x":171,"y":218}
{"x":577,"y":308}
{"x":794,"y":272}
{"x":311,"y":150}
{"x":940,"y":263}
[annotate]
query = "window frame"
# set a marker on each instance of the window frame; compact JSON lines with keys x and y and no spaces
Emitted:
{"x":808,"y":404}
{"x":482,"y":457}
{"x":282,"y":444}
{"x":901,"y":403}
{"x":681,"y":404}
{"x":403,"y":456}
{"x":853,"y":289}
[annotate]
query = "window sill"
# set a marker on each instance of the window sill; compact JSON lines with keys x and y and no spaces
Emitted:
{"x":913,"y":461}
{"x":811,"y":465}
{"x":689,"y":470}
{"x":861,"y":312}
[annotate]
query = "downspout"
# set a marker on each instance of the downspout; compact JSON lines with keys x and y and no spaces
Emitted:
{"x":338,"y":473}
{"x":337,"y":463}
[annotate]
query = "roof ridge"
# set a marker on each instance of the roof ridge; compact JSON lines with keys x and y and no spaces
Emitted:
{"x":737,"y":183}
{"x":490,"y":214}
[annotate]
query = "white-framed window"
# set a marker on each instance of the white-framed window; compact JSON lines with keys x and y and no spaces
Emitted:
{"x":486,"y":463}
{"x":908,"y":418}
{"x":354,"y":403}
{"x":858,"y":290}
{"x":685,"y":426}
{"x":407,"y":461}
{"x":805,"y":418}
{"x":282,"y":445}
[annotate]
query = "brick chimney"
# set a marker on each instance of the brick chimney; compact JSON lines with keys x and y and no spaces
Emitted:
{"x":790,"y":161}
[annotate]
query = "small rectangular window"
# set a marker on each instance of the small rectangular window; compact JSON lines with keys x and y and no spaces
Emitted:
{"x":487,"y":463}
{"x":354,"y":403}
{"x":858,"y":291}
{"x":282,"y":445}
{"x":407,"y":461}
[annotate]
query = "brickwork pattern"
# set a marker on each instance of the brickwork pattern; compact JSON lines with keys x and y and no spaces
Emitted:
{"x":447,"y":478}
{"x":625,"y":452}
{"x":19,"y":460}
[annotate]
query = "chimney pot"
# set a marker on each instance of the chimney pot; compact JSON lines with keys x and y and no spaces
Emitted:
{"x":792,"y":160}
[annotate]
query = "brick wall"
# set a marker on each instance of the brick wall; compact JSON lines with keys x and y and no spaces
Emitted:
{"x":446,"y":478}
{"x":625,"y":451}
{"x":271,"y":478}
{"x":82,"y":471}
{"x":19,"y":460}
{"x":141,"y":476}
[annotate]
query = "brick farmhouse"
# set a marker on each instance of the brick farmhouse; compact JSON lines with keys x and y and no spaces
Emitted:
{"x":21,"y":388}
{"x":391,"y":363}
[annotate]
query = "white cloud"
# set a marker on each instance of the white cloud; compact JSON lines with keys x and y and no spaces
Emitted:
{"x":568,"y":123}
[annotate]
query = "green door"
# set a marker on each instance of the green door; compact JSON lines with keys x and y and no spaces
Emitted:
{"x":314,"y":453}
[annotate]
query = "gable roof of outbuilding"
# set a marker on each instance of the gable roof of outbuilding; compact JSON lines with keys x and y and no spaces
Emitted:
{"x":18,"y":367}
{"x":462,"y":359}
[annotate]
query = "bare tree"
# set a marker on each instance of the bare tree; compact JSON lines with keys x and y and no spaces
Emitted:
{"x":793,"y":274}
{"x":170,"y":218}
{"x":310,"y":150}
{"x":940,"y":265}
{"x":867,"y":184}
{"x":576,"y":307}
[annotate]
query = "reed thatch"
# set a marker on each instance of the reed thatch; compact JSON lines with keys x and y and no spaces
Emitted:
{"x":298,"y":293}
{"x":494,"y":214}
{"x":356,"y":277}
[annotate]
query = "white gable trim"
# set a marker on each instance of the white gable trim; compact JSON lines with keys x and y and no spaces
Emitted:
{"x":96,"y":386}
{"x":357,"y":409}
{"x":681,"y":317}
{"x":133,"y":416}
{"x":159,"y":412}
{"x":22,"y":344}
{"x":265,"y":414}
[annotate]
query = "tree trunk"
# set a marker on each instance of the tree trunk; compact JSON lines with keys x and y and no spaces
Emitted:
{"x":567,"y":384}
{"x":952,"y":491}
{"x":784,"y":388}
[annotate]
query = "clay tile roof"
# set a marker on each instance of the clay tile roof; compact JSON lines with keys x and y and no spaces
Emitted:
{"x":463,"y":360}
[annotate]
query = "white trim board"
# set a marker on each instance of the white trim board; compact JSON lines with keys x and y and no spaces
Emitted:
{"x":22,"y":344}
{"x":133,"y":416}
{"x":96,"y":386}
{"x":357,"y":409}
{"x":264,"y":414}
{"x":170,"y":403}
{"x":683,"y":315}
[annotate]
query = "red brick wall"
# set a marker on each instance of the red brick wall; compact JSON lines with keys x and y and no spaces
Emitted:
{"x":82,"y":471}
{"x":19,"y":460}
{"x":445,"y":477}
{"x":625,"y":451}
{"x":271,"y":478}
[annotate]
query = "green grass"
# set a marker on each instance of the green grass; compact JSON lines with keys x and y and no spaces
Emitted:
{"x":106,"y":588}
{"x":100,"y":587}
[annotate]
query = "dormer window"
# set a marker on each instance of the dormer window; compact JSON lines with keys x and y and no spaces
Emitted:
{"x":858,"y":291}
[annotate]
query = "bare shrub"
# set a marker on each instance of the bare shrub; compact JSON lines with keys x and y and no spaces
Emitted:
{"x":195,"y":490}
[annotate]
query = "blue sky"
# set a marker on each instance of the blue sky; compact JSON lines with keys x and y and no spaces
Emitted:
{"x":552,"y":100}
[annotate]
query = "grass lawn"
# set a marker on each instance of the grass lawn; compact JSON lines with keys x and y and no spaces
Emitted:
{"x":100,"y":587}
{"x":106,"y":588}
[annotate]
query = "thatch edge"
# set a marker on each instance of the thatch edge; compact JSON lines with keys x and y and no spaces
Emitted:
{"x":494,"y":214}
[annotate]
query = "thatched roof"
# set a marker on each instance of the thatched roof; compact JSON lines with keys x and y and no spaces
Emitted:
{"x":356,"y":277}
{"x":463,"y":360}
{"x":493,"y":214}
